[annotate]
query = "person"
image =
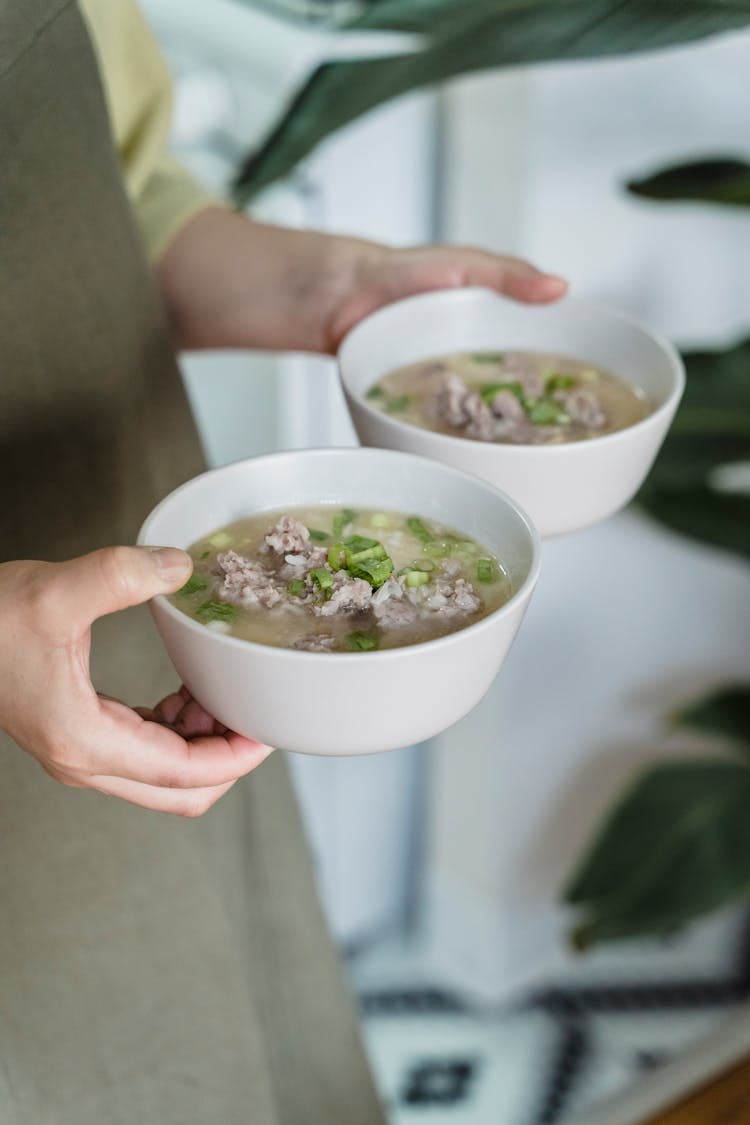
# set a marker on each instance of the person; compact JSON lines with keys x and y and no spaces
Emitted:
{"x":152,"y":969}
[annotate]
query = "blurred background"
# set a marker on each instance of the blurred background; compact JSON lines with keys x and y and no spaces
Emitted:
{"x":442,"y":867}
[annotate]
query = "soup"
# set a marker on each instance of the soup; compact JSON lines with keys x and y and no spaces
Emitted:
{"x":327,"y":579}
{"x":519,"y":397}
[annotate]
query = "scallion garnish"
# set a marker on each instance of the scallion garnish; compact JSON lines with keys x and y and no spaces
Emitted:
{"x":375,"y":391}
{"x":318,"y":536}
{"x":336,"y":556}
{"x":322,"y":577}
{"x":297,"y":587}
{"x":345,"y":517}
{"x":379,"y":519}
{"x":193,"y":584}
{"x":487,"y":357}
{"x":545,"y":412}
{"x":215,"y":611}
{"x":490,"y":391}
{"x":362,"y":642}
{"x":417,"y":527}
{"x":486,"y":570}
{"x":374,"y":571}
{"x":396,"y":405}
{"x":437,"y":549}
{"x":555,"y":382}
{"x":220,"y":539}
{"x":416,"y":578}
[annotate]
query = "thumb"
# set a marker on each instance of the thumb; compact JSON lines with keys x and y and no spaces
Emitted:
{"x":117,"y":577}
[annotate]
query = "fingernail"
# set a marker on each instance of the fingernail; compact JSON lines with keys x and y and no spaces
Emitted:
{"x":172,"y":562}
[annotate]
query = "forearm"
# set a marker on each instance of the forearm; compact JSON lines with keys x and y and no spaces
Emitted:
{"x":229,"y":282}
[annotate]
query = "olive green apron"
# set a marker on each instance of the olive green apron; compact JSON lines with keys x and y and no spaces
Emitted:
{"x":153,"y":971}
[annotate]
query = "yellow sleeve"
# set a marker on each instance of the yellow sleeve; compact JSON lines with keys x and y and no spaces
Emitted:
{"x":139,"y":99}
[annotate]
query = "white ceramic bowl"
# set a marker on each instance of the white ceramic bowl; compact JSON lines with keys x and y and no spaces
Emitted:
{"x":343,"y":703}
{"x":562,"y":487}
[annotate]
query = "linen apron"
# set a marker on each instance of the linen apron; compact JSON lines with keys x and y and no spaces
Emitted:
{"x":153,"y":971}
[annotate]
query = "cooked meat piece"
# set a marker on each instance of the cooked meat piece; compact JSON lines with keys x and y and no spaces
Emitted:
{"x":583,"y":406}
{"x":316,"y":642}
{"x":288,"y":536}
{"x":453,"y":599}
{"x":245,"y":582}
{"x":451,"y":568}
{"x":348,"y":595}
{"x":451,"y":399}
{"x":390,"y":608}
{"x":505,"y":405}
{"x":481,"y":422}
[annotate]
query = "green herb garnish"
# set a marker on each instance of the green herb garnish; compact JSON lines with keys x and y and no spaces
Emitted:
{"x":555,"y":382}
{"x":219,"y":539}
{"x":396,"y":405}
{"x":487,"y":357}
{"x":336,"y":556}
{"x":489,"y":391}
{"x":362,"y":642}
{"x":544,"y":412}
{"x":374,"y":571}
{"x":375,"y":391}
{"x":318,"y":536}
{"x":417,"y":527}
{"x":416,"y":578}
{"x":345,"y":517}
{"x":486,"y":570}
{"x":322,"y":577}
{"x":297,"y":587}
{"x":215,"y":611}
{"x":193,"y":584}
{"x":437,"y":549}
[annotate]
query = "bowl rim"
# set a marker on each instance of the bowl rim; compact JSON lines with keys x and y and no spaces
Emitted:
{"x":522,"y":449}
{"x":277,"y":652}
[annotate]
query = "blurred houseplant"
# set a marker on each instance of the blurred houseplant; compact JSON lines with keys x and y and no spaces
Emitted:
{"x":678,"y":844}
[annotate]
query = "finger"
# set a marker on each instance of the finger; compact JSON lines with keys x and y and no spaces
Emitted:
{"x":458,"y":267}
{"x":179,"y":802}
{"x":193,"y":722}
{"x":102,"y":582}
{"x":128,"y":746}
{"x":169,"y":708}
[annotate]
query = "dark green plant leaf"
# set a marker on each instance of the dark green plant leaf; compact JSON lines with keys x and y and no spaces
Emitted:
{"x":709,"y":181}
{"x":711,"y":429}
{"x":464,"y":37}
{"x":676,"y":847}
{"x":726,"y":713}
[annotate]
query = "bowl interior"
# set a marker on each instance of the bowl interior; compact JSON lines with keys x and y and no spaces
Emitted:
{"x":477,"y":319}
{"x":368,"y":478}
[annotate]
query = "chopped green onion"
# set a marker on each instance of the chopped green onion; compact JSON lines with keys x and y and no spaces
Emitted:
{"x":421,"y":564}
{"x":416,"y":578}
{"x":376,"y":391}
{"x":318,"y":536}
{"x":379,"y":519}
{"x":322,"y":577}
{"x":362,"y":642}
{"x":345,"y":517}
{"x":374,"y":571}
{"x":547,"y":413}
{"x":215,"y":611}
{"x":357,"y":543}
{"x":490,"y":390}
{"x":205,"y":555}
{"x":220,"y":539}
{"x":466,"y":547}
{"x":487,"y":357}
{"x":193,"y":584}
{"x":437,"y":550}
{"x":417,"y":527}
{"x":486,"y":570}
{"x":555,"y":382}
{"x":336,"y":556}
{"x":297,"y":587}
{"x":396,"y":405}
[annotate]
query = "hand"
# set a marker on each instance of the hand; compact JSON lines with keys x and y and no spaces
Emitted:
{"x":175,"y":758}
{"x":384,"y":275}
{"x":229,"y":282}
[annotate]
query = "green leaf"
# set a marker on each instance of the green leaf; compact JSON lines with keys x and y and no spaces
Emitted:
{"x":676,"y":847}
{"x":545,"y":412}
{"x":215,"y":611}
{"x":706,"y":181}
{"x":193,"y":584}
{"x":711,"y":429}
{"x":464,"y":37}
{"x":726,"y":713}
{"x":362,"y":642}
{"x":397,"y":405}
